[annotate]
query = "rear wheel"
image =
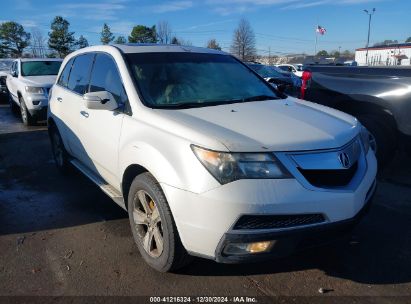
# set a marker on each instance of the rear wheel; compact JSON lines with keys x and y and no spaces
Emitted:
{"x":153,"y":226}
{"x":383,"y":137}
{"x":60,"y":155}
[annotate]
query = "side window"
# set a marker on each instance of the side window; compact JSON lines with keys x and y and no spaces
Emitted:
{"x":15,"y":67}
{"x":105,"y":77}
{"x":64,"y":77}
{"x":80,"y":73}
{"x":12,"y":67}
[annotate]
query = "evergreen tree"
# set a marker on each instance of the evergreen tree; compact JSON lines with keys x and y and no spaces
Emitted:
{"x":60,"y":38}
{"x":106,"y":35}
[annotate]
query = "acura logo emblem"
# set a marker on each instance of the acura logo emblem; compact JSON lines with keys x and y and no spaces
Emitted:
{"x":344,"y":159}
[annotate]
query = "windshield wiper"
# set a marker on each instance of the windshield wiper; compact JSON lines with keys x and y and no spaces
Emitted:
{"x":199,"y":104}
{"x":259,"y":98}
{"x":187,"y":105}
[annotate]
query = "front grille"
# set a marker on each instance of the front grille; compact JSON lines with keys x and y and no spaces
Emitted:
{"x":330,"y":178}
{"x":277,"y":221}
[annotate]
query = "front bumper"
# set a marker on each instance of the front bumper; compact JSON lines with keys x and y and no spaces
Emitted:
{"x":39,"y":113}
{"x":205,"y":220}
{"x":37,"y":105}
{"x":3,"y":89}
{"x":289,"y":241}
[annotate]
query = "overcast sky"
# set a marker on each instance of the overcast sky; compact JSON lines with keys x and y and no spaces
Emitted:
{"x":284,"y":26}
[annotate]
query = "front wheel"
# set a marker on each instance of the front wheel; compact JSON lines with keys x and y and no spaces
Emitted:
{"x":26,"y":117}
{"x":153,"y":226}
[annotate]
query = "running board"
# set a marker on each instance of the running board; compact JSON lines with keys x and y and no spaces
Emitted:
{"x":113,"y":193}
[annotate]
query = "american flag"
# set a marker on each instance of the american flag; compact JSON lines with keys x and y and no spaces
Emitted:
{"x":320,"y":30}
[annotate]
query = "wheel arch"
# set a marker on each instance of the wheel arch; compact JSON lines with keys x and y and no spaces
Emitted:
{"x":358,"y":108}
{"x":130,"y":173}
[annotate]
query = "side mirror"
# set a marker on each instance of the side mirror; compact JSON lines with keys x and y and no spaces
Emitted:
{"x":101,"y":100}
{"x":14,"y":74}
{"x":281,"y":87}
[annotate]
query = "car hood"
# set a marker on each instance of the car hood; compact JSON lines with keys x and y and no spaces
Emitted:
{"x":3,"y":73}
{"x":273,"y":125}
{"x":40,"y":81}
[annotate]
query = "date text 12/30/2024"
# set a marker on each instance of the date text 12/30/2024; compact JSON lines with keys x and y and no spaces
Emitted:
{"x":202,"y":299}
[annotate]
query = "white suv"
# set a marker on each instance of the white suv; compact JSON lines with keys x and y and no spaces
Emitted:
{"x":295,"y":69}
{"x":28,"y":85}
{"x":208,"y":158}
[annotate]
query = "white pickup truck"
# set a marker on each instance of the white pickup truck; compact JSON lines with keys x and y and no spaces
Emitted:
{"x":28,"y":84}
{"x":4,"y":70}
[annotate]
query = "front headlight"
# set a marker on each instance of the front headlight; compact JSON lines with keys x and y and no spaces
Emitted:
{"x":34,"y":90}
{"x":228,"y":167}
{"x":368,"y":140}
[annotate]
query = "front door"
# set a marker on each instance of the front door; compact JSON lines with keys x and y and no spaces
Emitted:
{"x":99,"y":130}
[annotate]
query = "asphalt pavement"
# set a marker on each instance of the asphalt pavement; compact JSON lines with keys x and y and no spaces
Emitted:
{"x":62,"y":236}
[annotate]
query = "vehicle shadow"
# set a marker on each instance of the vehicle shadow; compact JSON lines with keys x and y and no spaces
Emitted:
{"x":33,"y":197}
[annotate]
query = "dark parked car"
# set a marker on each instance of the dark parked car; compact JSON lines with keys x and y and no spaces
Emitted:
{"x":285,"y":81}
{"x":4,"y":70}
{"x":379,"y":97}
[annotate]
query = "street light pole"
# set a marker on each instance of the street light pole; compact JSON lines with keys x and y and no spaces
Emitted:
{"x":369,"y":30}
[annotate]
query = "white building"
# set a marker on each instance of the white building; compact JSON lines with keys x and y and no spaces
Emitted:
{"x":393,"y":54}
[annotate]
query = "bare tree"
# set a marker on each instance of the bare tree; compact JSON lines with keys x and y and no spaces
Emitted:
{"x":213,"y":44}
{"x":243,"y":45}
{"x":163,"y":32}
{"x":38,"y":44}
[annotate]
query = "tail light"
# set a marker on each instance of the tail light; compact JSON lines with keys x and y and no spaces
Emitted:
{"x":305,"y":80}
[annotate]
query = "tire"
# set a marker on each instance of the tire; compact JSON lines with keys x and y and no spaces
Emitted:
{"x":26,"y":118}
{"x":13,"y":106}
{"x":153,"y":226}
{"x":60,"y":155}
{"x":385,"y":137}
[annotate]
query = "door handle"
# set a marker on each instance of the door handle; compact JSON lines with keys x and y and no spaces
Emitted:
{"x":85,"y":114}
{"x":59,"y":99}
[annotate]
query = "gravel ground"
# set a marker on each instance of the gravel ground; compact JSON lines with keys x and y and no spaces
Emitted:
{"x":63,"y":236}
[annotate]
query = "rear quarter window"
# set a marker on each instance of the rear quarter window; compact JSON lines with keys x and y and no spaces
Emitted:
{"x":64,"y":76}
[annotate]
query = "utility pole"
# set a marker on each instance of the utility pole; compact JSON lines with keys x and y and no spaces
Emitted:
{"x":369,"y":30}
{"x":269,"y":55}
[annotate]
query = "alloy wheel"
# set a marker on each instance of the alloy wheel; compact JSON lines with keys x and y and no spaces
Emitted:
{"x":23,"y":112}
{"x":147,"y":220}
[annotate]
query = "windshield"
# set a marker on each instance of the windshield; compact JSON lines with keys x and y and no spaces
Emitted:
{"x":266,"y":71}
{"x":5,"y":65}
{"x":40,"y":68}
{"x":194,"y":80}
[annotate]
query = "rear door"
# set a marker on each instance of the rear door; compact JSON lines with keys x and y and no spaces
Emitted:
{"x":57,"y":95}
{"x":99,"y":130}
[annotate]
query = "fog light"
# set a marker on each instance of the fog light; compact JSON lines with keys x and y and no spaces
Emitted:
{"x":246,"y":248}
{"x":259,"y":247}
